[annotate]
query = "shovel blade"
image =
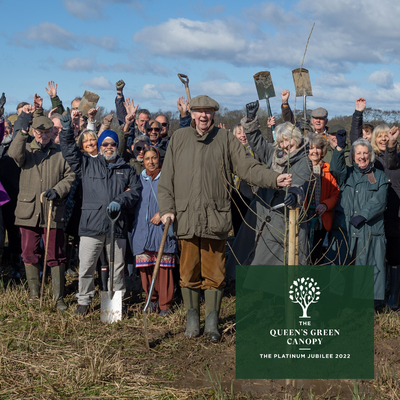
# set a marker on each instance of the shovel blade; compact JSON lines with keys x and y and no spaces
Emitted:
{"x":264,"y":85}
{"x":89,"y":100}
{"x":302,"y":83}
{"x":111,"y":307}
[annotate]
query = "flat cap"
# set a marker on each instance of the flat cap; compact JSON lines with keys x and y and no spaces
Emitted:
{"x":319,"y":113}
{"x":42,"y":123}
{"x":336,"y":128}
{"x":203,"y":101}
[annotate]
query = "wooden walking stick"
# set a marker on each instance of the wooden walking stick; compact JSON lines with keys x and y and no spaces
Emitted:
{"x":292,"y":237}
{"x":46,"y":248}
{"x":153,"y":279}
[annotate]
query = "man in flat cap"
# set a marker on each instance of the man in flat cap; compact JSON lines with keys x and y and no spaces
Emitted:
{"x":194,"y":191}
{"x":108,"y":182}
{"x":45,"y":172}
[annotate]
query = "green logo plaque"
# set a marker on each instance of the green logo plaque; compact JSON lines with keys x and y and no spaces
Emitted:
{"x":305,"y":322}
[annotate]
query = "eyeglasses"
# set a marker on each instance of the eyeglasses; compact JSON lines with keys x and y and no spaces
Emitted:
{"x":164,"y":124}
{"x":106,"y":144}
{"x":154,"y":129}
{"x":139,"y":148}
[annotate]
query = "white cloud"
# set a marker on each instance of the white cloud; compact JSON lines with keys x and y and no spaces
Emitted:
{"x":334,"y":80}
{"x":50,"y":34}
{"x":137,"y":66}
{"x":93,"y":9}
{"x":212,"y":74}
{"x":99,"y":83}
{"x":150,"y":91}
{"x":45,"y":34}
{"x":78,"y":64}
{"x":178,"y":38}
{"x":383,"y":78}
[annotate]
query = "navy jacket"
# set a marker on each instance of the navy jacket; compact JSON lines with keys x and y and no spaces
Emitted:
{"x":146,"y":235}
{"x":102,"y":183}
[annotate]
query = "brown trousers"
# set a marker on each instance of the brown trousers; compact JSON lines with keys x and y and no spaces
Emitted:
{"x":202,"y":264}
{"x":163,"y":288}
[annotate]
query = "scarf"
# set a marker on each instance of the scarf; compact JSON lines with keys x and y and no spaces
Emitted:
{"x":153,"y":174}
{"x":280,"y":158}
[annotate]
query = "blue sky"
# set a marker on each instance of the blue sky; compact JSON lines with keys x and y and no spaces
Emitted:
{"x":90,"y":44}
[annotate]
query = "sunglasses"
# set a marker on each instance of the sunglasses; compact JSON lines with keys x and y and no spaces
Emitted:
{"x":106,"y":144}
{"x":139,"y":148}
{"x":164,"y":124}
{"x":154,"y":129}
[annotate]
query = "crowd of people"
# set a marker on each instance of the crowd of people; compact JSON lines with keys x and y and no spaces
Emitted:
{"x":65,"y":168}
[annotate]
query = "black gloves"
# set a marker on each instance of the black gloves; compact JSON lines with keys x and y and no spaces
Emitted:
{"x":51,"y":194}
{"x":289,"y":200}
{"x":66,"y":120}
{"x":341,"y":138}
{"x":357,"y":220}
{"x":251,"y":109}
{"x":2,"y":100}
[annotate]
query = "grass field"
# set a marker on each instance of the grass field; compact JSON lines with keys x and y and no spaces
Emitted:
{"x":49,"y":355}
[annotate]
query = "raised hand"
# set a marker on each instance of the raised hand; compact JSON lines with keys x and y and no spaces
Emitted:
{"x":2,"y":100}
{"x":75,"y":116}
{"x":251,"y":109}
{"x":361,"y":104}
{"x":92,"y":113}
{"x":393,"y":134}
{"x":221,"y":125}
{"x":285,"y":96}
{"x":37,"y":101}
{"x":28,"y":109}
{"x":52,"y":90}
{"x":120,"y":85}
{"x":341,"y":138}
{"x":66,"y":120}
{"x":131,"y":110}
{"x":183,"y":106}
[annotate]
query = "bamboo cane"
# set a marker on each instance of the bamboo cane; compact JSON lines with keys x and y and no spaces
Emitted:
{"x":292,"y":237}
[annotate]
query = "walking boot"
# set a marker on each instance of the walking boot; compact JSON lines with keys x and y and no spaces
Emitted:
{"x":58,"y":283}
{"x":393,"y":301}
{"x":191,"y":302}
{"x":213,"y":298}
{"x":32,"y":277}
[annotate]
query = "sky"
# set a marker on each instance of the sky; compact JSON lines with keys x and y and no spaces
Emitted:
{"x":353,"y":51}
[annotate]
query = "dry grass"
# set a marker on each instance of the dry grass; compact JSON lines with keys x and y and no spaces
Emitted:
{"x":49,"y":355}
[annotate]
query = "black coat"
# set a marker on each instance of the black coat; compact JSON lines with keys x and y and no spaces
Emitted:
{"x":102,"y":183}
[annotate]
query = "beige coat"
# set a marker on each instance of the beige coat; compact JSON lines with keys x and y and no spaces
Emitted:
{"x":40,"y":171}
{"x":196,"y":180}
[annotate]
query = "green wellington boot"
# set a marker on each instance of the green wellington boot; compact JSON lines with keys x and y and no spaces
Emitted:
{"x":32,"y":277}
{"x":213,"y":298}
{"x":58,"y":283}
{"x":191,"y":302}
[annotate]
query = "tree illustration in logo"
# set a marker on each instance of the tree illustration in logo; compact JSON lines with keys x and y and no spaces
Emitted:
{"x":304,"y":291}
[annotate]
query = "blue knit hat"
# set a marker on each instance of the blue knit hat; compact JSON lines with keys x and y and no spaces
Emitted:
{"x":105,"y":134}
